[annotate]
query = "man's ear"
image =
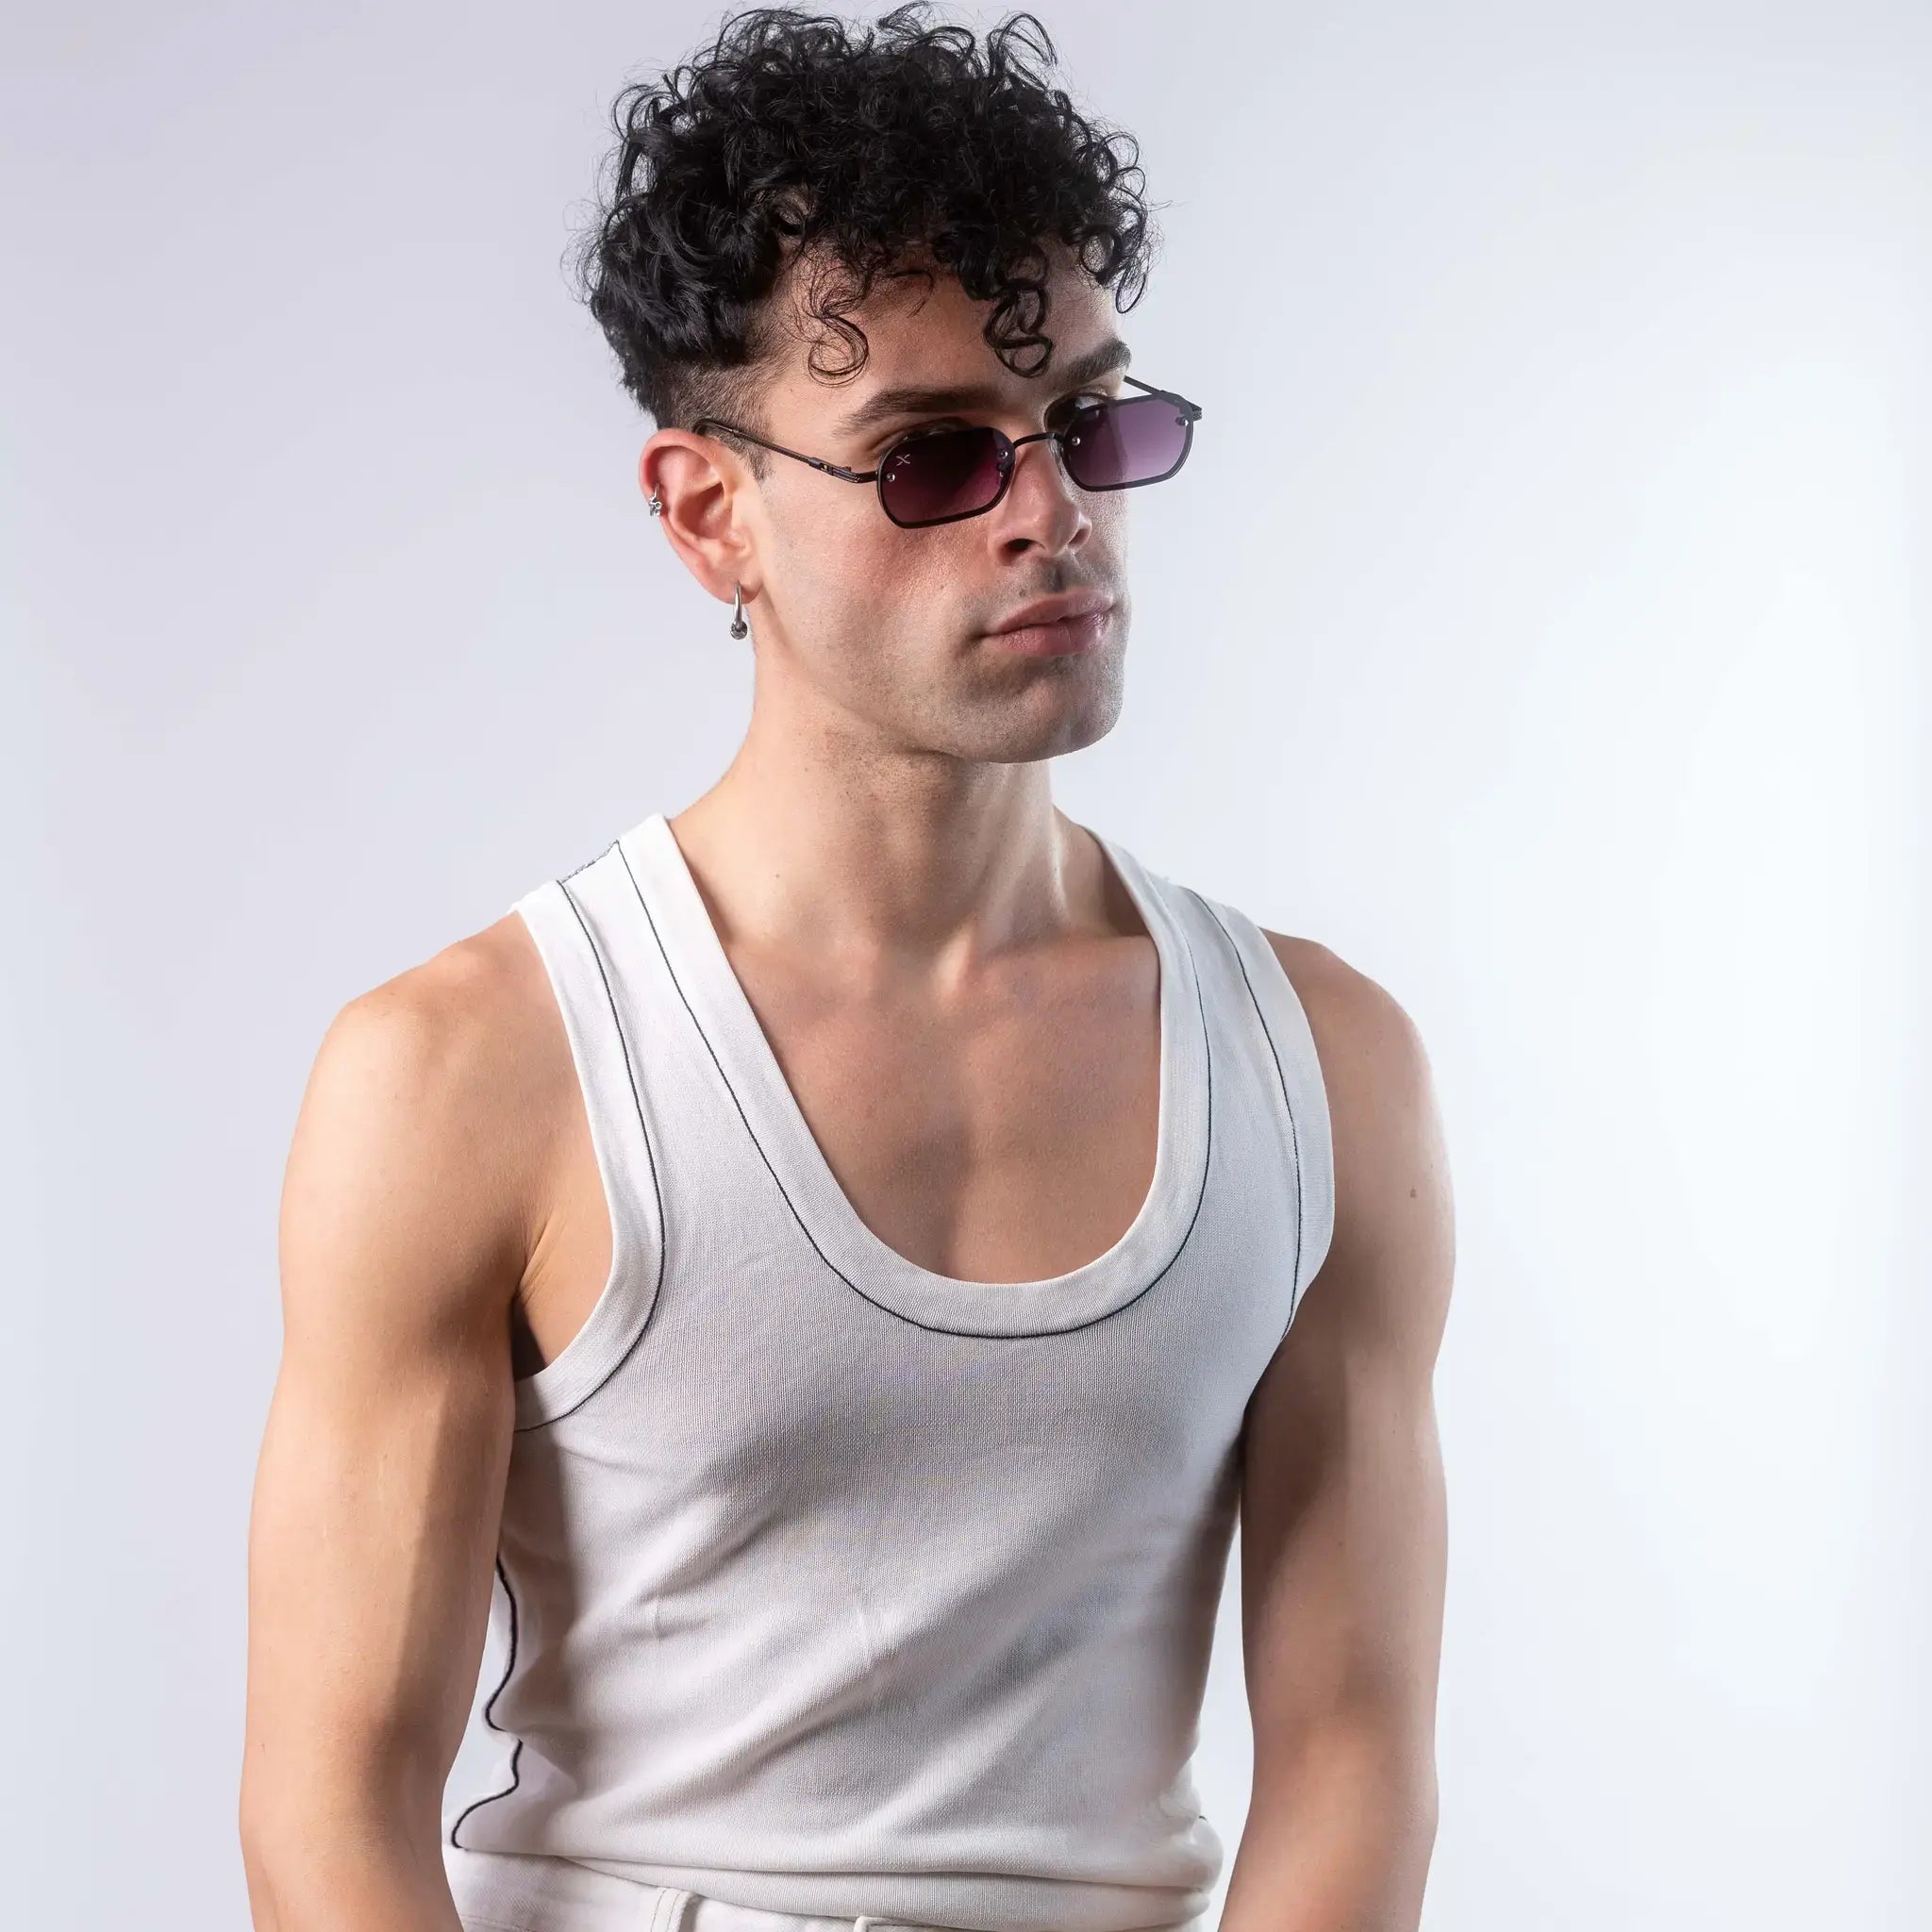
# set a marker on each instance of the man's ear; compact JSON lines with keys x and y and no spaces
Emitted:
{"x":697,"y":483}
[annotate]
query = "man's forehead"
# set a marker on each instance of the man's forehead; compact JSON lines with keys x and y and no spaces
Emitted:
{"x":941,"y":391}
{"x":927,"y":351}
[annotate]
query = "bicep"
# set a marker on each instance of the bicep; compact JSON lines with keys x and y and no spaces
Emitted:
{"x":379,"y":1489}
{"x":1343,"y":1511}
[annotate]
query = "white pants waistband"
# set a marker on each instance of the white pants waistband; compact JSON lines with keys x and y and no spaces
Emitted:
{"x":516,"y":1892}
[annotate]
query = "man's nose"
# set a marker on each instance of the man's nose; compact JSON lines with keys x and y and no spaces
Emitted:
{"x":1044,"y":501}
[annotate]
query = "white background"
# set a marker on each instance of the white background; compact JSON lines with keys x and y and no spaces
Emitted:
{"x":1540,"y":622}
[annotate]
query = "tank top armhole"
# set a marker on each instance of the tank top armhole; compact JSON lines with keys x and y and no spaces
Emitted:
{"x":1304,"y":1093}
{"x":602,"y":1050}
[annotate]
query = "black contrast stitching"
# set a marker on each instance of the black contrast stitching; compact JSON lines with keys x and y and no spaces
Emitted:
{"x":644,"y":1135}
{"x":517,"y":1751}
{"x":933,"y":1327}
{"x":1294,"y":1138}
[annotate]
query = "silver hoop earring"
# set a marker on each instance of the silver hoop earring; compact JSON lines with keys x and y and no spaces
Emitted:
{"x":656,"y":506}
{"x":739,"y":626}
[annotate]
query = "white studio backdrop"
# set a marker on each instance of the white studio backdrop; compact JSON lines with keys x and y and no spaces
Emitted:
{"x":1541,"y":623}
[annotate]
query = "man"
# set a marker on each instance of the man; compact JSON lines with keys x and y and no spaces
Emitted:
{"x":820,"y":1278}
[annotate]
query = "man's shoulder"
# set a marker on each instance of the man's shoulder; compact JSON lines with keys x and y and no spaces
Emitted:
{"x":1361,"y":1030}
{"x":1341,"y":1001}
{"x":478,"y":1000}
{"x":467,"y":1043}
{"x":1322,"y":978}
{"x":1389,"y":1166}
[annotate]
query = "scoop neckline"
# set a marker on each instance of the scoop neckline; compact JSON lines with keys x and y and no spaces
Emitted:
{"x":729,"y":1025}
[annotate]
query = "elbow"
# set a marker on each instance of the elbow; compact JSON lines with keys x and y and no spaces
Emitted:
{"x":329,"y":1861}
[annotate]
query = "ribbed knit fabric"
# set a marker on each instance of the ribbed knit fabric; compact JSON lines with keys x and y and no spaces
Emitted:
{"x":830,"y":1585}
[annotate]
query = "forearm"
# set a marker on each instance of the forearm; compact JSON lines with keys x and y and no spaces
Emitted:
{"x":1339,"y":1841}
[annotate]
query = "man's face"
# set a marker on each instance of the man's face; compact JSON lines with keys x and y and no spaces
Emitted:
{"x":894,"y":630}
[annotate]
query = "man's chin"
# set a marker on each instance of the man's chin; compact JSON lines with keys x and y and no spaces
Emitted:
{"x":1055,"y":715}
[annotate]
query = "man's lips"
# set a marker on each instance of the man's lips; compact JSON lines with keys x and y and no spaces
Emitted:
{"x":1060,"y":637}
{"x":1071,"y":621}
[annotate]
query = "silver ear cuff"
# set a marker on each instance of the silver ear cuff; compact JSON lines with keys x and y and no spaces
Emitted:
{"x":739,"y":626}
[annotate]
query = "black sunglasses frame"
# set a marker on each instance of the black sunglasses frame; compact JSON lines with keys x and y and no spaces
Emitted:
{"x":1007,"y":447}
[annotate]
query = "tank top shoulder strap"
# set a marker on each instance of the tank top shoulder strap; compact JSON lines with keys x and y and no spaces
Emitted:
{"x":573,"y":921}
{"x":1251,"y":973}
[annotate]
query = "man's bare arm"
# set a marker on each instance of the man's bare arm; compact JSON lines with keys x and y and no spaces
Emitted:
{"x":379,"y":1489}
{"x":1343,"y":1511}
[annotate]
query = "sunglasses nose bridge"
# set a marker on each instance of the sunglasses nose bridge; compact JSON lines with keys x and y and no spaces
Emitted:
{"x":1016,"y":443}
{"x":1010,"y":454}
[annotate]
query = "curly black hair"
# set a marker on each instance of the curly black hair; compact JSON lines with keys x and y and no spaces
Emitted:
{"x":866,"y":151}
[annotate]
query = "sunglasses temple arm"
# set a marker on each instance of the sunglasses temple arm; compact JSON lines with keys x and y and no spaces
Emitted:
{"x":798,"y":456}
{"x":1194,"y":409}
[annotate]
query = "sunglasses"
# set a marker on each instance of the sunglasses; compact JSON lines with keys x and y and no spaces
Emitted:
{"x":939,"y":475}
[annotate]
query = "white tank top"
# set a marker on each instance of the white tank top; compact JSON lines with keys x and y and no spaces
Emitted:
{"x":830,"y":1585}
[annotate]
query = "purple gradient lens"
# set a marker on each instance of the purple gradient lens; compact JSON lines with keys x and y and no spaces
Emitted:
{"x":1128,"y":441}
{"x":949,"y":473}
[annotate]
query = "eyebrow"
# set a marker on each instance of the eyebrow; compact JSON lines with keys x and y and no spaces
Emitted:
{"x":914,"y":400}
